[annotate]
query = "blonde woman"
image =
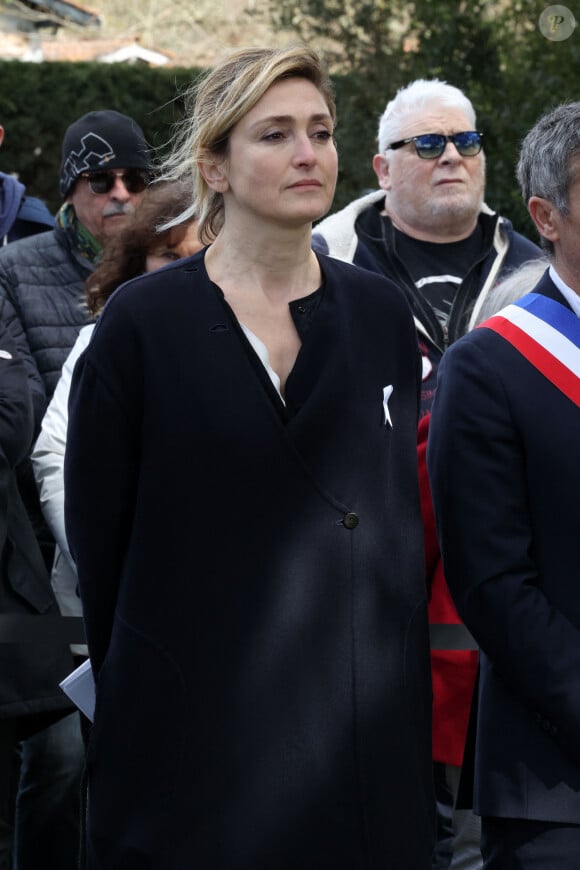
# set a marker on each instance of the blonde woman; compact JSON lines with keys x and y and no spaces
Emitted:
{"x":242,"y":505}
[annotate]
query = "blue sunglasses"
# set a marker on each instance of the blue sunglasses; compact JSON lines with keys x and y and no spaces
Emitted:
{"x":429,"y":146}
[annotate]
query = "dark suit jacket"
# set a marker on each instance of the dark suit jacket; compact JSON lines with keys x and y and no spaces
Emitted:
{"x":263,"y":695}
{"x":503,"y":462}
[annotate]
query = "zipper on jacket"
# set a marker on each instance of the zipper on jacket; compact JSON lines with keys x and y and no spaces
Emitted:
{"x":471,"y":287}
{"x":419,"y":305}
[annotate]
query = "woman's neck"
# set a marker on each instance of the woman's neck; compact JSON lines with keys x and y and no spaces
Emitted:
{"x":278,"y":266}
{"x":259,"y":279}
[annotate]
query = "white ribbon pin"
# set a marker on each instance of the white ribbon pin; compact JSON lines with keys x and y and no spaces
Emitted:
{"x":387,"y":392}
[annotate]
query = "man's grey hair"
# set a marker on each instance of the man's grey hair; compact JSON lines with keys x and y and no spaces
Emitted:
{"x":415,"y":97}
{"x":545,"y":164}
{"x":516,"y":284}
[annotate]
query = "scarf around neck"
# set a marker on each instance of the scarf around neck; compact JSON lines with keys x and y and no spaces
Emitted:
{"x":83,"y":240}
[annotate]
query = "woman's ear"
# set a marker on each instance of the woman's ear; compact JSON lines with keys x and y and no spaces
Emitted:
{"x":214,"y":176}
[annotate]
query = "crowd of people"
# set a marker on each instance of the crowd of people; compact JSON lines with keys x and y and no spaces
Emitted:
{"x":273,"y":458}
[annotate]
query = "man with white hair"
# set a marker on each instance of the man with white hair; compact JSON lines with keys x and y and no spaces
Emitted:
{"x":427,"y":227}
{"x":429,"y":230}
{"x":105,"y":168}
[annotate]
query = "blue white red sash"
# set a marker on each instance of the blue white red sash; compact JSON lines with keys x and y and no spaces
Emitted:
{"x":547,"y":334}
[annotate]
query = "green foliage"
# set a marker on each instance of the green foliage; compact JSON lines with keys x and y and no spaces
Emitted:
{"x":494,"y":51}
{"x":491,"y":49}
{"x":39,"y":101}
{"x":350,"y":33}
{"x":358,"y":108}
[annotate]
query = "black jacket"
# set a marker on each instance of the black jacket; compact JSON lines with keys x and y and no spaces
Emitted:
{"x":30,"y":672}
{"x":253,"y":586}
{"x":42,"y":304}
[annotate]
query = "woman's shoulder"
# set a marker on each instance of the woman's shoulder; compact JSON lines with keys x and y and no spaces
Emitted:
{"x":152,"y":288}
{"x":356,"y":283}
{"x":151,"y":305}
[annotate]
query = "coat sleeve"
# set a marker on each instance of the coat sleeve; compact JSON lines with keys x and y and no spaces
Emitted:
{"x":476,"y":465}
{"x":100,"y":472}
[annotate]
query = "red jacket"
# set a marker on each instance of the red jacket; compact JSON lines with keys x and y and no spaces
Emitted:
{"x":453,"y":671}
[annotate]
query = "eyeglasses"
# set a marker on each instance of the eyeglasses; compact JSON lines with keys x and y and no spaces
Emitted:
{"x":135,"y":180}
{"x":429,"y":146}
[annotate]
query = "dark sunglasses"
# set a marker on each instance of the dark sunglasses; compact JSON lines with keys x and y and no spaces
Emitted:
{"x":429,"y":146}
{"x":135,"y":180}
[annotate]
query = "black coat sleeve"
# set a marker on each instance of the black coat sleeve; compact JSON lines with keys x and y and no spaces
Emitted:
{"x":100,"y":472}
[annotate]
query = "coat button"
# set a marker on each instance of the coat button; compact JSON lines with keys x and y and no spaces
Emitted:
{"x":350,"y":521}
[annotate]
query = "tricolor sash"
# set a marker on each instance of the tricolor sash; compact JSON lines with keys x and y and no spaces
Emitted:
{"x":547,"y":334}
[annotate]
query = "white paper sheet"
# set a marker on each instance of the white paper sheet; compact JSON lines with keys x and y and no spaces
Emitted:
{"x":80,"y":688}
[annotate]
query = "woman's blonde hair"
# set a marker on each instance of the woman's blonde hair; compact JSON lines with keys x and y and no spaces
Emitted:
{"x":217,"y":102}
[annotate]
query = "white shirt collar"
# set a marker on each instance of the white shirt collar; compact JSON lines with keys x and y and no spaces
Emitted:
{"x":571,"y":297}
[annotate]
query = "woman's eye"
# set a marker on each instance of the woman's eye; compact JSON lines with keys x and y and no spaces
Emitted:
{"x":279,"y":135}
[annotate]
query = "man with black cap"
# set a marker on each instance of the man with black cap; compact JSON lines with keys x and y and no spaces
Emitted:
{"x":106,"y":166}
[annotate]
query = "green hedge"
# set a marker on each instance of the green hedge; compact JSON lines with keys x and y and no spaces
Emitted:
{"x":39,"y":101}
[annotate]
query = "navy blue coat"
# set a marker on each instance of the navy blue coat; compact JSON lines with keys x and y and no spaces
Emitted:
{"x":253,"y":587}
{"x":502,"y":455}
{"x":20,"y":215}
